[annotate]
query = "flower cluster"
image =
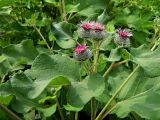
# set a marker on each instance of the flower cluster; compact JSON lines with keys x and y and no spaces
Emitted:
{"x":82,"y":53}
{"x":122,"y":37}
{"x":92,"y":30}
{"x":96,"y":31}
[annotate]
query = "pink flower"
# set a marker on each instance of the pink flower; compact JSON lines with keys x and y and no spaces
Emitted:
{"x":86,"y":25}
{"x":92,"y":30}
{"x":82,"y":53}
{"x":97,"y":27}
{"x":124,"y":33}
{"x":80,"y":49}
{"x":122,"y":37}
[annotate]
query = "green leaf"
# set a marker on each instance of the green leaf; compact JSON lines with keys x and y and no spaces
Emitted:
{"x":148,"y":60}
{"x":5,"y":100}
{"x":72,"y":8}
{"x":23,"y":53}
{"x":53,"y":2}
{"x":4,"y":116}
{"x":20,"y":86}
{"x":47,"y":112}
{"x":114,"y":55}
{"x":5,"y":10}
{"x":60,"y":81}
{"x":90,"y":8}
{"x":107,"y":44}
{"x":5,"y":66}
{"x":116,"y":78}
{"x":81,"y":92}
{"x":4,"y":3}
{"x":63,"y":32}
{"x":46,"y":68}
{"x":145,"y":105}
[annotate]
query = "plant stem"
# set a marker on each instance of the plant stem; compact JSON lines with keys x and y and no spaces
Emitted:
{"x":39,"y":32}
{"x":134,"y":116}
{"x":100,"y":116}
{"x":108,"y":70}
{"x":93,"y":109}
{"x":64,"y":11}
{"x":9,"y":112}
{"x":3,"y":78}
{"x":119,"y":63}
{"x":96,"y":45}
{"x":60,"y":110}
{"x":76,"y":115}
{"x":96,"y":54}
{"x":60,"y":10}
{"x":107,"y":112}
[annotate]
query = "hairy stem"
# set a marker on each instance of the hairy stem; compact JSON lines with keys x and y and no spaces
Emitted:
{"x":119,"y":63}
{"x":9,"y":112}
{"x":62,"y":10}
{"x":96,"y":45}
{"x":93,"y":109}
{"x":39,"y":32}
{"x":60,"y":110}
{"x":76,"y":115}
{"x":96,"y":54}
{"x":108,"y":70}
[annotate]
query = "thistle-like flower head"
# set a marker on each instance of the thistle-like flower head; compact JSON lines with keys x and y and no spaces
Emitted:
{"x":80,"y":49}
{"x":122,"y":37}
{"x":82,"y":53}
{"x":86,"y":25}
{"x":124,"y":33}
{"x":92,"y":30}
{"x":97,"y":27}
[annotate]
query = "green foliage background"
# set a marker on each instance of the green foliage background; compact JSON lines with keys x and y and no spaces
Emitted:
{"x":37,"y":39}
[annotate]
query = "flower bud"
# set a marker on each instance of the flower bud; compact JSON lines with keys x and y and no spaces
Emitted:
{"x":98,"y":31}
{"x":82,"y":53}
{"x":92,"y":30}
{"x":122,"y":37}
{"x":84,"y":30}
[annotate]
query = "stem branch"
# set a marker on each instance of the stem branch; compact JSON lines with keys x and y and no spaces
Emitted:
{"x":9,"y":112}
{"x":108,"y":70}
{"x":76,"y":115}
{"x":39,"y":32}
{"x":60,"y":110}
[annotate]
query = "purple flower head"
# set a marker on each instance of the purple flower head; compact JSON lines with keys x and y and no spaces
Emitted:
{"x":122,"y":37}
{"x":80,"y":49}
{"x":86,"y":25}
{"x":124,"y":33}
{"x":97,"y":27}
{"x":92,"y":30}
{"x":82,"y":53}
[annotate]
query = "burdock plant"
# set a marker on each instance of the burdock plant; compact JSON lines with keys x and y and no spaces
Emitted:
{"x":82,"y":53}
{"x":95,"y":32}
{"x":122,"y":37}
{"x":92,"y":30}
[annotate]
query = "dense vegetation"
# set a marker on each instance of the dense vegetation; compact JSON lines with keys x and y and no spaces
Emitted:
{"x":79,"y":59}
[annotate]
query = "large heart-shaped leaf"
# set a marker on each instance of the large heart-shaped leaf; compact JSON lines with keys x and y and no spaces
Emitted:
{"x":63,"y":32}
{"x":23,"y":53}
{"x":141,"y":93}
{"x":46,"y":68}
{"x":145,"y":104}
{"x":148,"y":60}
{"x":81,"y":92}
